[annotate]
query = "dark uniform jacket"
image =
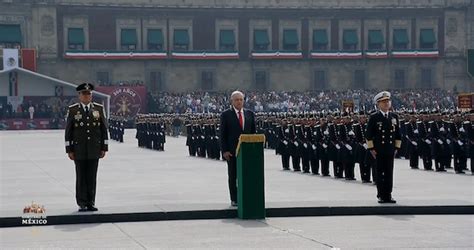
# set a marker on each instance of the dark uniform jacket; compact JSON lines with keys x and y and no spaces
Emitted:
{"x":383,"y":134}
{"x":86,"y":134}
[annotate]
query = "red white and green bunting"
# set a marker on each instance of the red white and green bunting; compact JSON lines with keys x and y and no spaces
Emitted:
{"x":336,"y":54}
{"x":277,"y":55}
{"x":415,"y":53}
{"x":216,"y":55}
{"x":194,"y":55}
{"x":115,"y":55}
{"x":376,"y":54}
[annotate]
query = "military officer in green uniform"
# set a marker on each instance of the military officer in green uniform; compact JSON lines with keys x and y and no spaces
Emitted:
{"x":383,"y":141}
{"x":86,"y":142}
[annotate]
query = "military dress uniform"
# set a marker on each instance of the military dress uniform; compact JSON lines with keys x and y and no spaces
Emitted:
{"x":447,"y":153}
{"x":283,"y":147}
{"x":383,"y":136}
{"x":315,"y":136}
{"x":306,"y":150}
{"x":295,"y":147}
{"x":323,"y":152}
{"x":441,"y":150}
{"x":190,"y":139}
{"x":425,"y":145}
{"x":469,"y":127}
{"x":350,"y":160}
{"x":86,"y":136}
{"x":361,"y":152}
{"x":335,"y":152}
{"x":459,"y":153}
{"x":412,"y":141}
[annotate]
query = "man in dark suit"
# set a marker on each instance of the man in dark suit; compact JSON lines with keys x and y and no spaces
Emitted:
{"x":383,"y":140}
{"x":86,"y":141}
{"x":234,"y":122}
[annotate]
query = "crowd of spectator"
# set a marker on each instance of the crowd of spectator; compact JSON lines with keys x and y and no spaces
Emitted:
{"x":272,"y":101}
{"x":47,"y":108}
{"x":269,"y":101}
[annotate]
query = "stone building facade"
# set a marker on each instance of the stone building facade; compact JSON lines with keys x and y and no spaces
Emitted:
{"x":261,"y":44}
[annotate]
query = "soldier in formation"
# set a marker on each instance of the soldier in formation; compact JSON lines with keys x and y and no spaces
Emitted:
{"x":202,"y":135}
{"x":116,"y":128}
{"x":318,"y":142}
{"x":151,"y":131}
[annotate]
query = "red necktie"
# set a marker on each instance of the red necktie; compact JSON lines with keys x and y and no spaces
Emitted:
{"x":241,"y":120}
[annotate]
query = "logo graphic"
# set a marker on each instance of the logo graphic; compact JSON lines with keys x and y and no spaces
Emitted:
{"x":34,"y":214}
{"x":126,"y":102}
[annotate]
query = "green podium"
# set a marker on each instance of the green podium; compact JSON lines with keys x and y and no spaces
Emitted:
{"x":250,"y":177}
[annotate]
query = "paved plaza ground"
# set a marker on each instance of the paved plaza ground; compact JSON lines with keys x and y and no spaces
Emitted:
{"x":341,"y":232}
{"x":34,"y":167}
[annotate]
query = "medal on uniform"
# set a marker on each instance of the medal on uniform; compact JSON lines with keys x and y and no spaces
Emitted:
{"x":96,"y":114}
{"x":82,"y":124}
{"x":78,"y":116}
{"x":394,"y":121}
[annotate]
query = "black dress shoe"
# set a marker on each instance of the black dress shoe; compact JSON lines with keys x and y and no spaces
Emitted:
{"x":82,"y":209}
{"x":391,"y":200}
{"x":366,"y":181}
{"x":380,"y":200}
{"x":92,"y":208}
{"x":233,"y":203}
